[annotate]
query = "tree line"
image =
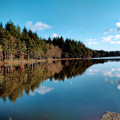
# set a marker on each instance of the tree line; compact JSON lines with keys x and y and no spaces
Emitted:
{"x":25,"y":44}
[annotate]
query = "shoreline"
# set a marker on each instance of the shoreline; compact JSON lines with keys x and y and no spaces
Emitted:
{"x":9,"y":62}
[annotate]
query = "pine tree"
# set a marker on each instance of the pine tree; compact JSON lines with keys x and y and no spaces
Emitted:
{"x":11,"y":28}
{"x":1,"y":25}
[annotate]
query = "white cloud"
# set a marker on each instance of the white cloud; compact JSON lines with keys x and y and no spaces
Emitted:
{"x":91,"y":41}
{"x":92,"y":71}
{"x":112,"y":39}
{"x":39,"y":26}
{"x":114,"y":72}
{"x":55,"y":35}
{"x":42,"y":90}
{"x":107,"y":39}
{"x":118,"y":26}
{"x":109,"y":30}
{"x":115,"y":69}
{"x":117,"y":37}
{"x":115,"y":42}
{"x":107,"y":73}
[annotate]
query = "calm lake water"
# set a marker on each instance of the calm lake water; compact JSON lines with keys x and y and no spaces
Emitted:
{"x":62,"y":90}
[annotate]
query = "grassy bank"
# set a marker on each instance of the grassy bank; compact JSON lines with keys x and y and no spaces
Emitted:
{"x":9,"y":62}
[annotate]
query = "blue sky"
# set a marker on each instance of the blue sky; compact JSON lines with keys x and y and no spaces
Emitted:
{"x":96,"y":23}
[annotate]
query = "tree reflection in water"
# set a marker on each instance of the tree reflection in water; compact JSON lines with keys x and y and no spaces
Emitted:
{"x":15,"y":79}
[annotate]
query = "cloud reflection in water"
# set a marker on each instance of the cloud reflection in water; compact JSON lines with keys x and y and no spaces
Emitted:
{"x":113,"y":73}
{"x":92,"y":71}
{"x":42,"y":90}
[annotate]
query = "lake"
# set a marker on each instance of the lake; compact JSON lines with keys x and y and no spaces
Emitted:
{"x":62,"y":90}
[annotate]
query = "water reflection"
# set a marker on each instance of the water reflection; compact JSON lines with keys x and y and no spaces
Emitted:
{"x":109,"y":81}
{"x":93,"y":71}
{"x":118,"y":81}
{"x":112,"y":76}
{"x":14,"y":80}
{"x":41,"y":90}
{"x":113,"y":72}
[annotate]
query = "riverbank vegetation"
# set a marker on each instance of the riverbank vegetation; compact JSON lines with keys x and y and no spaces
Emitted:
{"x":23,"y":44}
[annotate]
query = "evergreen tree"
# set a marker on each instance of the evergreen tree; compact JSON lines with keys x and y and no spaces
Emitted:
{"x":1,"y":25}
{"x":11,"y":28}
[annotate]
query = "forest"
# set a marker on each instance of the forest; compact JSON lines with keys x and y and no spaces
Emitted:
{"x":23,"y":44}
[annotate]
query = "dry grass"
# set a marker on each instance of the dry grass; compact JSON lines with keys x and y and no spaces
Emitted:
{"x":49,"y":60}
{"x":8,"y":62}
